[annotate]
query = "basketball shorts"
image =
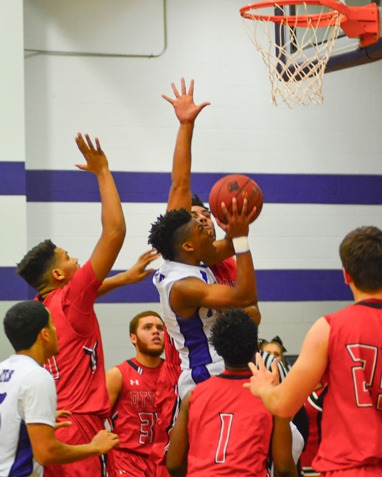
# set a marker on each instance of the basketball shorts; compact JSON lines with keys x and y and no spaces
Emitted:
{"x":84,"y":427}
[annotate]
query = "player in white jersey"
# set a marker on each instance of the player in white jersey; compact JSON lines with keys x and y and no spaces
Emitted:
{"x":24,"y":381}
{"x":199,"y":359}
{"x":28,"y":399}
{"x":190,"y":296}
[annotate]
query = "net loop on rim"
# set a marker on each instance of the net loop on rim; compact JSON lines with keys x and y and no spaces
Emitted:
{"x":285,"y":32}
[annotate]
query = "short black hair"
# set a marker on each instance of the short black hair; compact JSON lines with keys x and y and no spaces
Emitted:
{"x":33,"y":267}
{"x":361,"y":256}
{"x":234,"y":336}
{"x":23,"y":322}
{"x":166,"y":232}
{"x":196,"y":200}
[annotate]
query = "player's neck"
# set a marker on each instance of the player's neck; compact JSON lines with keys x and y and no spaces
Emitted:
{"x":148,"y":361}
{"x":44,"y":292}
{"x":34,"y":353}
{"x":239,"y":369}
{"x":361,"y":296}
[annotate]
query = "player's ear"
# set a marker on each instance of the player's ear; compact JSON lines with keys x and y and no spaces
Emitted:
{"x":57,"y":274}
{"x":44,"y":334}
{"x":133,"y":338}
{"x":187,"y":247}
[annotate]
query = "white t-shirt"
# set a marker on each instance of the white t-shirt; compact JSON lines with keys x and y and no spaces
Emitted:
{"x":27,"y":396}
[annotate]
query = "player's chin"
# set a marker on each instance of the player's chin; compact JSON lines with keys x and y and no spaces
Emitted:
{"x":156,"y":350}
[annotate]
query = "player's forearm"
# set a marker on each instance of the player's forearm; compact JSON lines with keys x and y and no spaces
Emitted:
{"x":246,"y":286}
{"x":59,"y":453}
{"x":180,"y":191}
{"x":113,"y":220}
{"x":110,"y":284}
{"x":118,"y":280}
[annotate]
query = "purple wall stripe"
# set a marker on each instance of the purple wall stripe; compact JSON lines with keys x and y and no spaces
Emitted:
{"x":77,"y":186}
{"x":273,"y":285}
{"x":12,"y":178}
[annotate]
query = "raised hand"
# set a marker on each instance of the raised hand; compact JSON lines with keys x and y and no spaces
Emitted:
{"x":237,"y":222}
{"x":262,"y":379}
{"x":96,"y":160}
{"x":138,"y":271}
{"x":185,"y":109}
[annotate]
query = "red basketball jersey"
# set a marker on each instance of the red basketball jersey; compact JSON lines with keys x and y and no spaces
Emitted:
{"x":225,"y":271}
{"x":352,"y":413}
{"x":78,"y":369}
{"x":229,"y":430}
{"x":136,"y":409}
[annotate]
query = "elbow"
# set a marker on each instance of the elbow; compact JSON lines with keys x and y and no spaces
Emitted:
{"x":281,"y":411}
{"x":45,"y":458}
{"x":121,"y":229}
{"x":286,"y":470}
{"x":117,"y":235}
{"x":175,"y":471}
{"x":248,"y":300}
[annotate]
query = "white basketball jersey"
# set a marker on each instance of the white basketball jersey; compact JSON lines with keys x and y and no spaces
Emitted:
{"x":27,"y":396}
{"x":199,"y":359}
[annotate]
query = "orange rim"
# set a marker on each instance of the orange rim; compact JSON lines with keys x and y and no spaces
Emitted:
{"x":250,"y":12}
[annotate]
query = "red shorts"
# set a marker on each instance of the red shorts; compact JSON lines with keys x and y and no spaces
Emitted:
{"x":134,"y":465}
{"x":84,"y":427}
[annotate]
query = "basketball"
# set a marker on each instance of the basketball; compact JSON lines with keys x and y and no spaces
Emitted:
{"x":239,"y":186}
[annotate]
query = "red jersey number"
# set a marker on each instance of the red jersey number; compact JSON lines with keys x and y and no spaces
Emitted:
{"x":146,"y":431}
{"x":225,"y":433}
{"x":363,"y":372}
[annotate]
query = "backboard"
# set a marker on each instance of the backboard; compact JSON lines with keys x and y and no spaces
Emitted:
{"x":347,"y":52}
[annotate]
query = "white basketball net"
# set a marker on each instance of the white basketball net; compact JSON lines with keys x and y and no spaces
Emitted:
{"x":296,"y":78}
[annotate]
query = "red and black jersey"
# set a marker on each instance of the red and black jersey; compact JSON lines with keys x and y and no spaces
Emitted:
{"x":78,"y":369}
{"x":229,"y":430}
{"x":352,"y":415}
{"x":136,"y":410}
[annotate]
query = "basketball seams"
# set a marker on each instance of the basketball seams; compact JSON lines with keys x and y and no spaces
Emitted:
{"x":223,"y":192}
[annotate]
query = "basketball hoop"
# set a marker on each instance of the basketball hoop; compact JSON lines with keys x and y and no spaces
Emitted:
{"x":286,"y":32}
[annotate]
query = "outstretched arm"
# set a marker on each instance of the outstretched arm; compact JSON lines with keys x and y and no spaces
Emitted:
{"x":136,"y":273}
{"x":113,"y":221}
{"x":186,"y":111}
